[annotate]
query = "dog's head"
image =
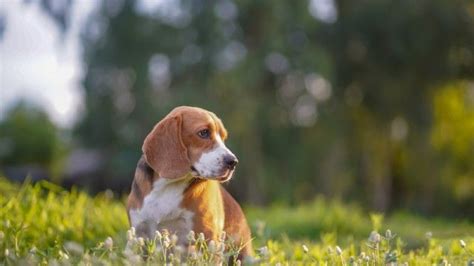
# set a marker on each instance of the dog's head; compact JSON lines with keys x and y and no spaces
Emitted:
{"x":190,"y":140}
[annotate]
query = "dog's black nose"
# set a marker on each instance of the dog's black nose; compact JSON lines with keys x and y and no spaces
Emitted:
{"x":230,"y":161}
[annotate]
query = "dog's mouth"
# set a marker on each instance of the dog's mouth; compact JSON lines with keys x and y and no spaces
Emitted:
{"x":222,"y":177}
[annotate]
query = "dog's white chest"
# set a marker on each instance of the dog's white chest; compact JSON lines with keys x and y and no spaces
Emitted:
{"x":161,"y":210}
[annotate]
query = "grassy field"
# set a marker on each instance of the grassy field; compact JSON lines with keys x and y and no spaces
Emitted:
{"x":45,"y":224}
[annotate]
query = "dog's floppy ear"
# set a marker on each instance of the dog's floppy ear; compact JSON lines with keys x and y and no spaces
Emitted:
{"x":164,"y":149}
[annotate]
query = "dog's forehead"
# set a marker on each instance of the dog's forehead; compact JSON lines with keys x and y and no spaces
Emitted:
{"x":195,"y":117}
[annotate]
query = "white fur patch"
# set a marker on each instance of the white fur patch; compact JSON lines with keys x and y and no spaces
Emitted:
{"x":161,"y":209}
{"x":211,"y":163}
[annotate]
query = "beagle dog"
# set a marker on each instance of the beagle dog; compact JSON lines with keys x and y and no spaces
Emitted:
{"x":177,"y":183}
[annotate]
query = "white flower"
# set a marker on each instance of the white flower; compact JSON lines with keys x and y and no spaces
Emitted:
{"x":158,"y":235}
{"x":305,"y":248}
{"x":263,"y":251}
{"x":388,"y":234}
{"x":338,"y":250}
{"x":109,"y":243}
{"x":191,"y":236}
{"x":201,"y":237}
{"x":428,"y":235}
{"x":374,"y":237}
{"x":462,"y":243}
{"x":131,"y":234}
{"x":141,"y":241}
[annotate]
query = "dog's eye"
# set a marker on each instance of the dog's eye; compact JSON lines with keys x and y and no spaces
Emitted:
{"x":204,"y":134}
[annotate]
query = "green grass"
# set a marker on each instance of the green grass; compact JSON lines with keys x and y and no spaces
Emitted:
{"x":45,"y":224}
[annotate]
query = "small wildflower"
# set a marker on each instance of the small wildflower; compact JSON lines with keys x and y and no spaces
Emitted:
{"x":305,"y":248}
{"x":131,"y":234}
{"x":158,"y":235}
{"x":263,"y":251}
{"x":141,"y":241}
{"x":462,"y":243}
{"x":191,"y":236}
{"x":7,"y":252}
{"x":109,"y":243}
{"x":201,"y":237}
{"x":338,"y":250}
{"x":388,"y":234}
{"x":428,"y":235}
{"x":374,"y":237}
{"x":238,"y":263}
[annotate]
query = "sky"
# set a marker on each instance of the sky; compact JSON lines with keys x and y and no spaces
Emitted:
{"x":39,"y":66}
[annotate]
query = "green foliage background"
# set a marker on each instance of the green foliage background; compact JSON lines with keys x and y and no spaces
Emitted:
{"x":374,"y":104}
{"x":388,"y":63}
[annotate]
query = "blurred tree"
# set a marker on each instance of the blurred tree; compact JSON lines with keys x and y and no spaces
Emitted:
{"x":453,"y":138}
{"x":390,"y":56}
{"x":28,"y":138}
